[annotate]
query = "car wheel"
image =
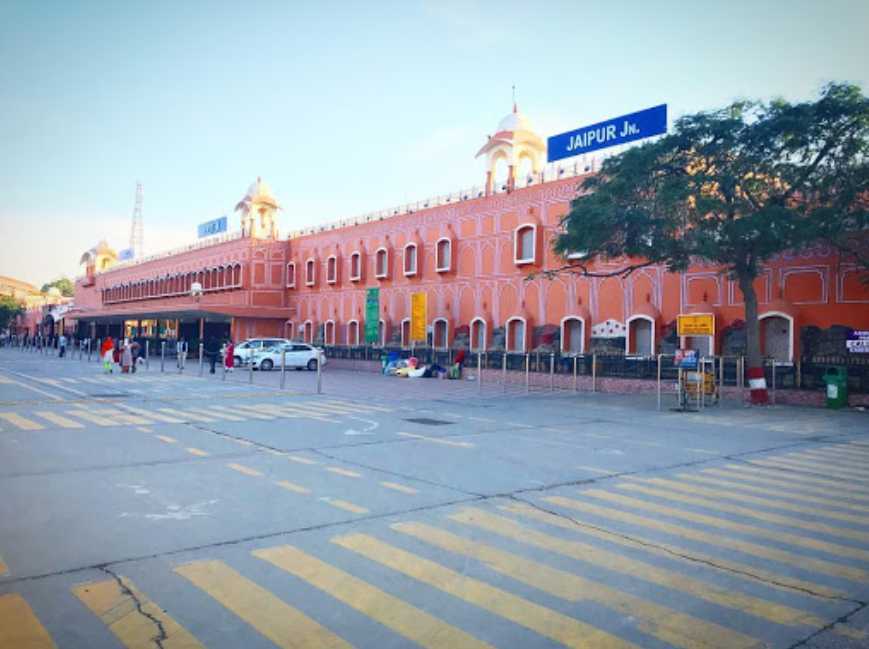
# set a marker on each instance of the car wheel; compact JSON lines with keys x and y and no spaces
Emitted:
{"x":312,"y":364}
{"x":237,"y":360}
{"x":266,"y":365}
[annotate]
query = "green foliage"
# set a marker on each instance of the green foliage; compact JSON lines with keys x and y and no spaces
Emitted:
{"x":733,"y":186}
{"x":64,"y":285}
{"x":9,"y":309}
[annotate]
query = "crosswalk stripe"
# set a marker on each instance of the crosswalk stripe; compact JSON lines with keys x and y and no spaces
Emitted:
{"x":854,"y":482}
{"x":301,"y":460}
{"x":361,"y":406}
{"x":791,"y":480}
{"x":837,"y":458}
{"x":187,"y":416}
{"x":722,"y":523}
{"x":120,"y":417}
{"x":437,"y":440}
{"x":286,"y":626}
{"x":241,"y":468}
{"x":292,"y":486}
{"x":198,"y":452}
{"x":345,"y":472}
{"x":213,"y":414}
{"x":20,"y":422}
{"x":57,"y":419}
{"x":399,"y":487}
{"x":615,"y":562}
{"x":167,"y":439}
{"x":715,"y":539}
{"x":248,"y":411}
{"x":299,"y":411}
{"x":345,"y":505}
{"x":771,"y":492}
{"x":91,"y":417}
{"x":825,"y":465}
{"x":544,"y":621}
{"x":668,"y":625}
{"x":156,"y":416}
{"x":764,"y":502}
{"x":134,"y":619}
{"x":330,"y":408}
{"x":19,"y":626}
{"x":390,"y":611}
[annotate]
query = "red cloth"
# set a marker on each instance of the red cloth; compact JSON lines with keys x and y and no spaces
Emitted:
{"x":108,"y":344}
{"x":229,"y":360}
{"x":460,"y":357}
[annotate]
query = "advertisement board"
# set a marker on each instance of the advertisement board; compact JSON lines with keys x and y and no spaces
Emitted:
{"x":619,"y":130}
{"x":372,"y":315}
{"x":857,"y":341}
{"x":213,"y":227}
{"x":418,"y":317}
{"x":699,"y":324}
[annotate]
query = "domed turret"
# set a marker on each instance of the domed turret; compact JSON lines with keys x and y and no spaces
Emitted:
{"x":513,"y":142}
{"x":258,"y":209}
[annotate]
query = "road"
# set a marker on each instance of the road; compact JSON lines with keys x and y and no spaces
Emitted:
{"x":165,"y":509}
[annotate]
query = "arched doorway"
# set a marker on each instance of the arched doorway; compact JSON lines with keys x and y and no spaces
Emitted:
{"x":776,"y":337}
{"x":572,"y":335}
{"x":641,"y":336}
{"x":440,"y":334}
{"x":516,"y":334}
{"x":478,"y":335}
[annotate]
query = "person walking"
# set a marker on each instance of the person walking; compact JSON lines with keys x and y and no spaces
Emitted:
{"x":229,"y":357}
{"x":212,"y":349}
{"x":126,"y":357}
{"x":61,"y":346}
{"x":107,"y":350}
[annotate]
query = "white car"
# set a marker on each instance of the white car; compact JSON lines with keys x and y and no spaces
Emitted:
{"x":299,"y":355}
{"x":243,"y":350}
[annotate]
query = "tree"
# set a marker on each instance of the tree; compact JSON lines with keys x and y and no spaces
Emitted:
{"x":64,"y":285}
{"x":9,"y":310}
{"x":733,"y":186}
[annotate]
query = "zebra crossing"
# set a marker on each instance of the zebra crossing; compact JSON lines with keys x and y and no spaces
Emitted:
{"x":754,"y":554}
{"x":79,"y":415}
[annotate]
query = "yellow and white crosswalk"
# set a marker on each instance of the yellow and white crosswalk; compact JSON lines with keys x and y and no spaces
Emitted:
{"x":78,"y":415}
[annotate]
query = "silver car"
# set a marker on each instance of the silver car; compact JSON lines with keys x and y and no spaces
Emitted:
{"x":298,"y":355}
{"x":244,"y":350}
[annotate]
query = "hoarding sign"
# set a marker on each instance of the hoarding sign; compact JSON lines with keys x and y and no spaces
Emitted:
{"x":372,"y":315}
{"x":210,"y":228}
{"x":619,"y":130}
{"x":858,"y":342}
{"x":686,"y":359}
{"x":126,"y":254}
{"x":418,"y":317}
{"x":701,"y":324}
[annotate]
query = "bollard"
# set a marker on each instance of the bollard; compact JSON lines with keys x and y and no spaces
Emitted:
{"x":701,"y":385}
{"x":575,"y":363}
{"x":594,"y":372}
{"x":147,"y":354}
{"x":773,"y":381}
{"x":283,"y":367}
{"x":201,"y":358}
{"x":99,"y":350}
{"x":552,"y":371}
{"x":479,"y":372}
{"x":250,"y":365}
{"x":163,"y":356}
{"x":319,"y":376}
{"x":659,"y":381}
{"x":720,"y":376}
{"x":504,"y":371}
{"x":527,"y":369}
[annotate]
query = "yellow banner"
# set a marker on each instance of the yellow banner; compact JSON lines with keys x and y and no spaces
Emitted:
{"x":701,"y":324}
{"x":418,"y":317}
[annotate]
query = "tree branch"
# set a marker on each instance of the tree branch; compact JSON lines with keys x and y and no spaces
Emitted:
{"x":580,"y":268}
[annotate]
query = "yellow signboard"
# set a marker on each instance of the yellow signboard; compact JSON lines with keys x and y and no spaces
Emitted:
{"x":699,"y":324}
{"x":418,"y":317}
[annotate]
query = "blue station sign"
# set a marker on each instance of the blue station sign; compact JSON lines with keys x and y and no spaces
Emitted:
{"x":213,"y":227}
{"x":619,"y":130}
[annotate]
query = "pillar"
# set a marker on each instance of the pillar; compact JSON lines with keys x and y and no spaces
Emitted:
{"x":511,"y":179}
{"x":489,"y":183}
{"x":201,"y":329}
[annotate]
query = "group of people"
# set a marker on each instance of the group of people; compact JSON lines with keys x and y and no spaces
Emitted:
{"x":121,"y":353}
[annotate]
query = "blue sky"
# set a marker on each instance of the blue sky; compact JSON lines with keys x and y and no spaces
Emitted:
{"x":345,"y":107}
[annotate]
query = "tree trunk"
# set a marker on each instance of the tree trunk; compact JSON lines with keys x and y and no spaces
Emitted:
{"x":756,"y":380}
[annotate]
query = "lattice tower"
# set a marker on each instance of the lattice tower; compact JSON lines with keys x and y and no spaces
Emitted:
{"x":137,"y":231}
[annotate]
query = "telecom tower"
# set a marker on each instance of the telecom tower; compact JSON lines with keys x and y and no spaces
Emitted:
{"x":137,"y":231}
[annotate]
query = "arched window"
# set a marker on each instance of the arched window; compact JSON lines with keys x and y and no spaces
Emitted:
{"x":405,"y":332}
{"x":353,"y":333}
{"x":640,"y":336}
{"x":356,"y":266}
{"x":410,"y":259}
{"x":291,"y":275}
{"x":444,"y":255}
{"x":289,"y":329}
{"x":777,"y":336}
{"x":236,"y":275}
{"x":329,"y":333}
{"x":478,"y":335}
{"x":440,"y":333}
{"x":572,"y":335}
{"x":215,"y":278}
{"x":331,"y":269}
{"x":308,"y":331}
{"x":516,"y":334}
{"x":310,"y":272}
{"x":381,"y":332}
{"x":525,"y":244}
{"x":381,"y":263}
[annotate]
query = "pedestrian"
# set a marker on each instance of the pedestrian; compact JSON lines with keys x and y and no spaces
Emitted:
{"x":126,"y":357}
{"x":107,"y":350}
{"x":212,"y":349}
{"x":61,"y":346}
{"x":229,"y":357}
{"x":135,"y":350}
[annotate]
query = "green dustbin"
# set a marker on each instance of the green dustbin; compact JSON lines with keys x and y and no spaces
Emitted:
{"x":836,"y":379}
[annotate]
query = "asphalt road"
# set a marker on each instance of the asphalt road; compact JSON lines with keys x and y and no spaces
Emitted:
{"x":177,"y":511}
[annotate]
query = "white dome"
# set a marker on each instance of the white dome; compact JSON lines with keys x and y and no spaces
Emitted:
{"x":515,"y":121}
{"x":259,"y":188}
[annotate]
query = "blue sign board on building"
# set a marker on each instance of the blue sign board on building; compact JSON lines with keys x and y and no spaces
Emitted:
{"x":213,"y":227}
{"x":620,"y":130}
{"x":125,"y":255}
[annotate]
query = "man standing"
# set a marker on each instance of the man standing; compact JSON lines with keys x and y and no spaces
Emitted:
{"x":61,"y":345}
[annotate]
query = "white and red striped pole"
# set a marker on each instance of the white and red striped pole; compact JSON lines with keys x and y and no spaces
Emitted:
{"x":757,"y":386}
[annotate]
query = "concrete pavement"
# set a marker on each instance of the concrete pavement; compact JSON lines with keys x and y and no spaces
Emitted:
{"x":173,"y":510}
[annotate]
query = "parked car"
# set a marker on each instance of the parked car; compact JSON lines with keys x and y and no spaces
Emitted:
{"x":244,"y":349}
{"x":299,"y":355}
